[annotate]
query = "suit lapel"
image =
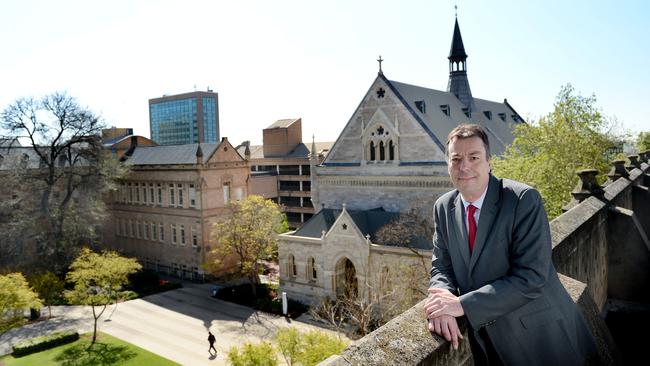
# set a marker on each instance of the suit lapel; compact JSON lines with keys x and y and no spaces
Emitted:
{"x":489,"y":211}
{"x":459,"y":230}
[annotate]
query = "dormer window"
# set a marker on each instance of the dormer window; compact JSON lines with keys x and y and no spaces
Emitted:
{"x":445,"y":109}
{"x":488,"y":114}
{"x":421,"y":106}
{"x":502,"y":116}
{"x":515,"y":118}
{"x":467,"y":112}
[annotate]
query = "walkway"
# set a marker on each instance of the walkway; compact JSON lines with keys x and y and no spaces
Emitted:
{"x":172,"y":324}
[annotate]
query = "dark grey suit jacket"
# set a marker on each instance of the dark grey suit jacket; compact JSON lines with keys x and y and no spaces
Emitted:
{"x":508,"y":284}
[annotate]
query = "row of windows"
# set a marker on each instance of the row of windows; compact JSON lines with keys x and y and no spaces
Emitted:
{"x":210,"y":120}
{"x":282,"y":169}
{"x":291,"y":269}
{"x":158,"y":194}
{"x":156,"y":231}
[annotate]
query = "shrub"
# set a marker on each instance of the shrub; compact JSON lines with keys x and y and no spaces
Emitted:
{"x":38,"y":344}
{"x":261,"y":354}
{"x":307,"y":349}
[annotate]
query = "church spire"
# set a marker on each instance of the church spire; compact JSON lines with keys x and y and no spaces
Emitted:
{"x":458,"y":82}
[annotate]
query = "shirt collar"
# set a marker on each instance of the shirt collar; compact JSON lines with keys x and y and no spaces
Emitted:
{"x":478,"y":203}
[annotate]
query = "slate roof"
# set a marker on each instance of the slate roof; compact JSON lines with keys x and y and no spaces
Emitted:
{"x":368,"y":222}
{"x":282,"y":123}
{"x":439,"y":124}
{"x":170,"y":154}
{"x":457,"y":51}
{"x":300,"y":151}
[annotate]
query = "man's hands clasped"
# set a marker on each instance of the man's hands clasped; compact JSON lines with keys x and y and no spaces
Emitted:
{"x":442,"y":308}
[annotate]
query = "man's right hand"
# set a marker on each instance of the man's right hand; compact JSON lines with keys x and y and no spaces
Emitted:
{"x":447,"y":327}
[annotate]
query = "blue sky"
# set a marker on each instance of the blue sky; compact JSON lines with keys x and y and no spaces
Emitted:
{"x":270,"y":60}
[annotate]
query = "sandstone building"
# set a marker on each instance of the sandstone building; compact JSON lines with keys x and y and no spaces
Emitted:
{"x":163,"y":212}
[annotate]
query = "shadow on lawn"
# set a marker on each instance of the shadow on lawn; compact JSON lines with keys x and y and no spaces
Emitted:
{"x":96,"y":354}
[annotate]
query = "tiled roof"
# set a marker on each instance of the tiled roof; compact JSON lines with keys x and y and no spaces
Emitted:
{"x":170,"y":154}
{"x":300,"y":151}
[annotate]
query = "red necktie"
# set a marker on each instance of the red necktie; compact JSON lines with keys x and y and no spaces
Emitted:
{"x":471,"y":222}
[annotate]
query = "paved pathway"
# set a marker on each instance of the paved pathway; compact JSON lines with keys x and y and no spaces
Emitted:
{"x":172,"y":324}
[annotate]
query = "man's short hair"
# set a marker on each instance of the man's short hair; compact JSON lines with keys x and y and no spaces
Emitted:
{"x":465,"y":131}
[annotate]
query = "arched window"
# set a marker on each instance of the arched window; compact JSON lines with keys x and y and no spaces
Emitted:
{"x":292,"y":271}
{"x":391,"y":150}
{"x":372,"y":150}
{"x":312,"y":275}
{"x":382,"y":152}
{"x":381,"y":145}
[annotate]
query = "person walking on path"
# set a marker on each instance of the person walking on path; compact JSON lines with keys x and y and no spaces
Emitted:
{"x":211,"y":339}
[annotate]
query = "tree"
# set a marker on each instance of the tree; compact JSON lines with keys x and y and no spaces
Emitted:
{"x":98,"y":280}
{"x":60,"y":178}
{"x":250,"y":232}
{"x":547,"y":154}
{"x":261,"y":354}
{"x":49,"y":288}
{"x":643,"y":141}
{"x":307,"y":349}
{"x":15,"y":297}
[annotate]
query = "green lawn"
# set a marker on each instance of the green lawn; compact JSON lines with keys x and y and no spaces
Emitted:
{"x":106,"y":351}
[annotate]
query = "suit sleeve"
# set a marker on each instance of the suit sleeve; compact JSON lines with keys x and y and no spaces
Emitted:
{"x":442,"y":273}
{"x":530,"y":258}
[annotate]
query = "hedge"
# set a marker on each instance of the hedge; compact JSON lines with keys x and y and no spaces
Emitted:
{"x":38,"y":344}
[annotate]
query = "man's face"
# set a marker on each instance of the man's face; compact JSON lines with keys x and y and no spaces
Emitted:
{"x":468,"y":166}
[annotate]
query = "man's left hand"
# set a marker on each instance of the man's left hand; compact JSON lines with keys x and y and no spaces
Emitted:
{"x":443,"y":302}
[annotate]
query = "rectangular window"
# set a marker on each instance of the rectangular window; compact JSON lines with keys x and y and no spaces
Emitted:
{"x":154,"y":231}
{"x":151,"y":193}
{"x":180,"y":195}
{"x":226,"y":193}
{"x":162,"y":232}
{"x":139,"y":233}
{"x":123,"y":221}
{"x":195,"y":237}
{"x":130,"y":189}
{"x":172,"y":196}
{"x":160,"y":193}
{"x":132,"y":226}
{"x":117,"y":227}
{"x":137,"y":193}
{"x":192,"y":194}
{"x":146,"y":231}
{"x":123,"y":192}
{"x":144,"y":193}
{"x":173,"y":233}
{"x":182,"y":234}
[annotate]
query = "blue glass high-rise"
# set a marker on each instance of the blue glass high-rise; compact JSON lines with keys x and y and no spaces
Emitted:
{"x":184,"y":118}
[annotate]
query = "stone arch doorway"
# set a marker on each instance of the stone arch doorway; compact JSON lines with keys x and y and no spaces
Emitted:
{"x":346,"y":279}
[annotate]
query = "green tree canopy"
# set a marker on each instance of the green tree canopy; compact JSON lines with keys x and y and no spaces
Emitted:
{"x":15,"y":297}
{"x":49,"y":288}
{"x":249,"y":232}
{"x":261,"y":354}
{"x":98,"y":280}
{"x":643,"y":141}
{"x":547,"y":154}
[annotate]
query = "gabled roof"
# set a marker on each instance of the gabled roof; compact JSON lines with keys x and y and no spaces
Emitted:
{"x":368,"y":221}
{"x":170,"y":154}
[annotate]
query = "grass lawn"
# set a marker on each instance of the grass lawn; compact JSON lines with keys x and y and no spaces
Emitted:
{"x":106,"y":351}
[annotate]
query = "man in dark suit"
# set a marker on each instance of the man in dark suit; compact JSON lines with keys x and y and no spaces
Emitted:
{"x":492,"y":264}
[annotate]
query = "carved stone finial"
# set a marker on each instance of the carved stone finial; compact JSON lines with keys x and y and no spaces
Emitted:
{"x":588,"y":185}
{"x":644,"y":156}
{"x":618,"y":170}
{"x":634,"y":162}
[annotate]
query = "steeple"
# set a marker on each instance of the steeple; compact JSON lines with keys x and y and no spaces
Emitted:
{"x":458,"y":83}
